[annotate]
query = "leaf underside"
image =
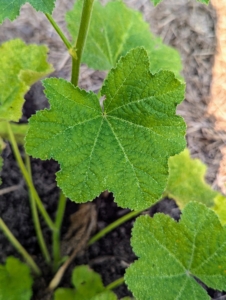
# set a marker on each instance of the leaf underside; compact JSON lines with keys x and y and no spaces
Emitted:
{"x":123,"y":148}
{"x":16,"y":281}
{"x":88,"y":286}
{"x":10,"y":9}
{"x":171,"y":255}
{"x":114,"y":30}
{"x":21,"y":66}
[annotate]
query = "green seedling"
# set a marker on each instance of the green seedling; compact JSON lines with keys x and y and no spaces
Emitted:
{"x":131,"y":145}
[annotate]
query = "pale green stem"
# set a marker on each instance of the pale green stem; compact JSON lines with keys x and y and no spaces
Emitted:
{"x":28,"y":180}
{"x":113,"y":225}
{"x":56,"y":233}
{"x":35,"y":218}
{"x":19,"y":248}
{"x":115,"y":283}
{"x":80,"y":43}
{"x":62,"y":36}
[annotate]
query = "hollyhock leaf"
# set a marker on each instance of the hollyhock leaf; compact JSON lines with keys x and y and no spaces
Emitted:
{"x":21,"y":66}
{"x":123,"y":147}
{"x":16,"y":281}
{"x":10,"y":9}
{"x":172,"y":255}
{"x":114,"y":30}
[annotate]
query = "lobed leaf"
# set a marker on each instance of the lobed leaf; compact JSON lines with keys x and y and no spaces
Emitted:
{"x":123,"y":148}
{"x":21,"y":66}
{"x":173,"y":255}
{"x":88,"y":286}
{"x":114,"y":30}
{"x":186,"y":181}
{"x":10,"y":9}
{"x":16,"y":281}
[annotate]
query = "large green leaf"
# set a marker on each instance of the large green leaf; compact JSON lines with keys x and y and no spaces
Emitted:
{"x":10,"y":9}
{"x":123,"y":148}
{"x":187,"y":181}
{"x":114,"y":30}
{"x":15,"y":280}
{"x":88,"y":286}
{"x":21,"y":66}
{"x":172,"y":255}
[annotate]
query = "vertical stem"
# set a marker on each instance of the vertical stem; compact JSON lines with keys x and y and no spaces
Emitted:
{"x":35,"y":218}
{"x":82,"y":34}
{"x":27,"y":179}
{"x":56,"y":233}
{"x":19,"y":248}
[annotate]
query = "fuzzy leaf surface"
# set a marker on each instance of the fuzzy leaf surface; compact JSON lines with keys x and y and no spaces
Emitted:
{"x":88,"y":286}
{"x":16,"y":281}
{"x":114,"y":30}
{"x":186,"y":181}
{"x":123,"y":148}
{"x":10,"y":9}
{"x":21,"y":66}
{"x":172,"y":254}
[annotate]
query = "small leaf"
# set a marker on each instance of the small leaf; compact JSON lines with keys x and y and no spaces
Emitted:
{"x":88,"y":286}
{"x":186,"y":181}
{"x":114,"y":30}
{"x":10,"y":9}
{"x":19,"y":131}
{"x":21,"y":66}
{"x":16,"y":281}
{"x":172,"y":255}
{"x":123,"y":149}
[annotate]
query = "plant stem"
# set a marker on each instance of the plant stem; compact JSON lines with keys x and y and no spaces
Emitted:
{"x":56,"y":233}
{"x":115,"y":283}
{"x":113,"y":225}
{"x":62,"y":36}
{"x":28,"y":180}
{"x":82,"y":34}
{"x":35,"y":218}
{"x":19,"y":248}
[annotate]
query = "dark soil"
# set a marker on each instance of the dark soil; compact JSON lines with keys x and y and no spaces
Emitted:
{"x":177,"y":22}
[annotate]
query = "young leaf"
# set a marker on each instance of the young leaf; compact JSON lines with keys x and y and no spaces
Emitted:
{"x":172,"y":255}
{"x":16,"y":281}
{"x":114,"y":30}
{"x":88,"y":286}
{"x":10,"y":9}
{"x":19,"y":131}
{"x":186,"y":181}
{"x":21,"y":66}
{"x":124,"y":148}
